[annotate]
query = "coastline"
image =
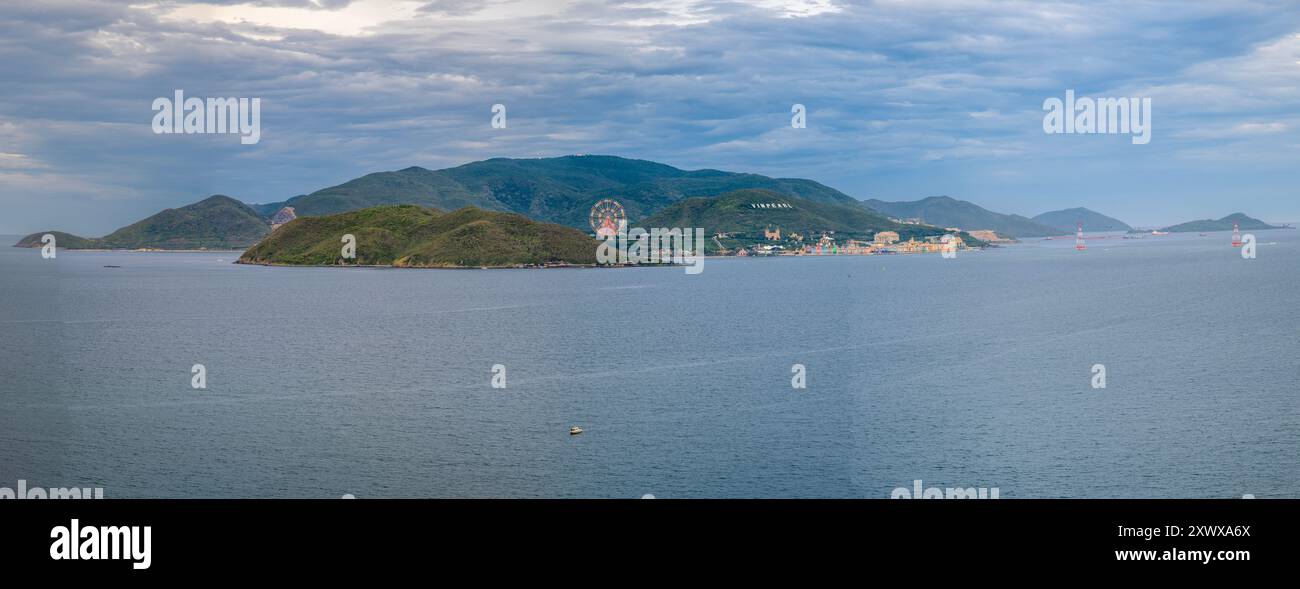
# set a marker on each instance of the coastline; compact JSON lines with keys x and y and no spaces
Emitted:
{"x":142,"y":251}
{"x":584,"y":266}
{"x":511,"y":267}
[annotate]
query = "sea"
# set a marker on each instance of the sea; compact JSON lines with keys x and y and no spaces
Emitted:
{"x":831,"y":376}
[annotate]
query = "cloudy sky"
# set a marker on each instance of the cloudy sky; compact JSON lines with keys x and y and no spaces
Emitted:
{"x":905,"y":98}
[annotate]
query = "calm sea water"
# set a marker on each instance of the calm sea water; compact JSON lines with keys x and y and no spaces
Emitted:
{"x":972,"y":372}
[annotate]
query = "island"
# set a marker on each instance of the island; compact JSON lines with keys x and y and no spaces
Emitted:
{"x":1236,"y":220}
{"x":412,"y":236}
{"x":217,"y":222}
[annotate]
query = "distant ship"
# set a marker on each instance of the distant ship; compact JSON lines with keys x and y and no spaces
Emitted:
{"x":1159,"y":233}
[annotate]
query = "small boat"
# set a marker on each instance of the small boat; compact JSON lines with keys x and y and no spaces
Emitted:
{"x":1159,"y":233}
{"x":575,"y":430}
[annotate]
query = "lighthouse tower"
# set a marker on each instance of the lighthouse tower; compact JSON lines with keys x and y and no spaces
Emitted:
{"x":1236,"y":235}
{"x":1078,"y":239}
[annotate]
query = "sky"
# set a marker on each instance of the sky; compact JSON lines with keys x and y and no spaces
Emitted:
{"x":904,"y":98}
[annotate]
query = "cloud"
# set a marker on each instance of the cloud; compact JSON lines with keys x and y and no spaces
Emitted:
{"x":452,"y":7}
{"x":358,"y":17}
{"x":905,"y":99}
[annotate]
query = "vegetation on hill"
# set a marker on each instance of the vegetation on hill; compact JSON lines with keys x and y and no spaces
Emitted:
{"x":414,"y":236}
{"x":736,"y":215}
{"x":216,"y":222}
{"x":556,"y":190}
{"x":1067,"y":220}
{"x":61,"y":239}
{"x":945,"y":211}
{"x":1225,"y":224}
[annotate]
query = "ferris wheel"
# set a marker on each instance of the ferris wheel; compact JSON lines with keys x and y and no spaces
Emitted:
{"x":606,"y":217}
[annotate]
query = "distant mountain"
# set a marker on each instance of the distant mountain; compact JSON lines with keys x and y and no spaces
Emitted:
{"x":557,"y":190}
{"x":944,"y":211}
{"x":747,"y":214}
{"x":1067,"y":220}
{"x":1224,"y":224}
{"x":414,"y":236}
{"x":216,"y":222}
{"x":61,"y":240}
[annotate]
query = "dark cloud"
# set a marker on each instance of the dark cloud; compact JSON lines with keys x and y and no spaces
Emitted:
{"x":904,"y":99}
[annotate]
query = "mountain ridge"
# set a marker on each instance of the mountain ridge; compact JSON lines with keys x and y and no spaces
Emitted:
{"x":945,"y":211}
{"x":556,"y":190}
{"x":1243,"y":221}
{"x":731,"y":213}
{"x":412,"y":236}
{"x":215,"y":222}
{"x":561,"y":190}
{"x":1067,"y":220}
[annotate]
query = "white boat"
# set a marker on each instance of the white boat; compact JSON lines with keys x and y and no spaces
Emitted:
{"x":575,"y":430}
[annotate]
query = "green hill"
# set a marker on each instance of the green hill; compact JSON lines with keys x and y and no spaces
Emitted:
{"x":736,"y":213}
{"x":556,"y":190}
{"x":1225,"y":224}
{"x":216,"y":222}
{"x":61,"y":239}
{"x":945,"y":211}
{"x":414,"y":236}
{"x":1067,"y":220}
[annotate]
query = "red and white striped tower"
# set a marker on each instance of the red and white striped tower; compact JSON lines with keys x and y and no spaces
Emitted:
{"x":1236,"y":235}
{"x":1078,"y":239}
